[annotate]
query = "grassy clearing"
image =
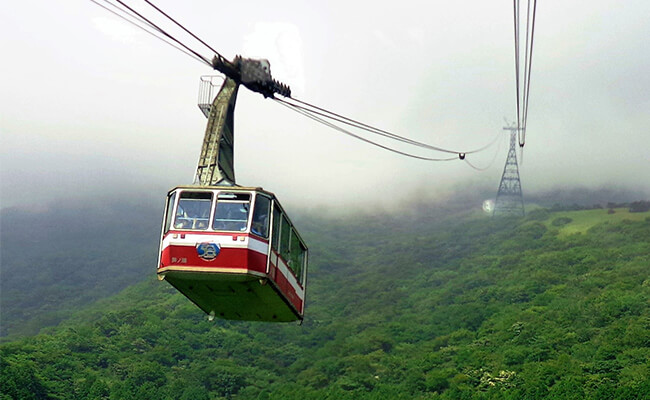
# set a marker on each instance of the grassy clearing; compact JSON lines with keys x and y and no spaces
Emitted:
{"x":585,"y":219}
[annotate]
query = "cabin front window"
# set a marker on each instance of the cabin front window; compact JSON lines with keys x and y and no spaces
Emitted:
{"x":232,"y":211}
{"x":171,"y":200}
{"x":193,"y":211}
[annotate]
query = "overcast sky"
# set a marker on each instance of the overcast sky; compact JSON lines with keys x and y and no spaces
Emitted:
{"x":90,"y":104}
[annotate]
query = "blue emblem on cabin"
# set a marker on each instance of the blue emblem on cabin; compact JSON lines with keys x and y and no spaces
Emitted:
{"x":208,"y":251}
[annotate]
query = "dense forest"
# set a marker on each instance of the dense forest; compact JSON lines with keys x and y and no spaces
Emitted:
{"x":61,"y":257}
{"x":423,"y":305}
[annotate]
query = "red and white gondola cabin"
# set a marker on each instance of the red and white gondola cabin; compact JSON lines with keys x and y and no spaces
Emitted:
{"x":233,"y":252}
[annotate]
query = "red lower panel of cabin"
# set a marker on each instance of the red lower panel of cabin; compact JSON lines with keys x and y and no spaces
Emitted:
{"x":285,"y":287}
{"x":232,"y":289}
{"x":230,"y":258}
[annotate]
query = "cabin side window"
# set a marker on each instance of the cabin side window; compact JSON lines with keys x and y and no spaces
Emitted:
{"x":232,"y":211}
{"x":297,"y":254}
{"x":286,"y":242}
{"x":285,"y":238}
{"x":277,"y":220}
{"x":168,"y":213}
{"x":193,"y":211}
{"x":260,"y":224}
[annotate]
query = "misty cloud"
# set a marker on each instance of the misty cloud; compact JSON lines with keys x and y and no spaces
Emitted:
{"x":87,"y":108}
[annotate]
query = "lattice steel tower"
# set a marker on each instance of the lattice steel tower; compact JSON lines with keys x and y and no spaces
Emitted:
{"x":509,"y":197}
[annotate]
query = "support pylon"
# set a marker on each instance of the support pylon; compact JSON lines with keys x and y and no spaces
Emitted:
{"x":510,"y":200}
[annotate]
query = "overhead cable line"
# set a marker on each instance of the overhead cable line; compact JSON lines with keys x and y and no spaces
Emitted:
{"x":311,"y":111}
{"x":338,"y":128}
{"x":530,"y":65}
{"x":360,"y":125}
{"x":516,"y":12}
{"x":162,"y":31}
{"x":522,"y":81}
{"x":125,"y":16}
{"x":185,"y":29}
{"x":494,"y":157}
{"x":205,"y":59}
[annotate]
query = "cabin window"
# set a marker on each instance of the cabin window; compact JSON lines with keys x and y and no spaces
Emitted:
{"x":193,"y":211}
{"x":231,"y":213}
{"x":260,"y":224}
{"x":286,"y":242}
{"x":285,"y":238}
{"x":277,"y":221}
{"x":170,"y":208}
{"x":297,"y":254}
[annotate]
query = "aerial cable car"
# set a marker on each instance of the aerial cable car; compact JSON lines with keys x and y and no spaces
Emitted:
{"x":232,"y":250}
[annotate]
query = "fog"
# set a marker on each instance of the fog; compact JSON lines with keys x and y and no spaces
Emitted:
{"x":92,"y":107}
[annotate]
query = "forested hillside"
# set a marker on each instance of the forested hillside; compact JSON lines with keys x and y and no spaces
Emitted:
{"x":70,"y":254}
{"x":553,"y":306}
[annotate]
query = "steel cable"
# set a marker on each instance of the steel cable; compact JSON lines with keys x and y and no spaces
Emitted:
{"x":309,"y":110}
{"x":123,"y":17}
{"x":494,"y":157}
{"x":530,"y":66}
{"x":357,"y":124}
{"x":159,"y":29}
{"x":523,"y":88}
{"x":308,"y":114}
{"x":185,"y":29}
